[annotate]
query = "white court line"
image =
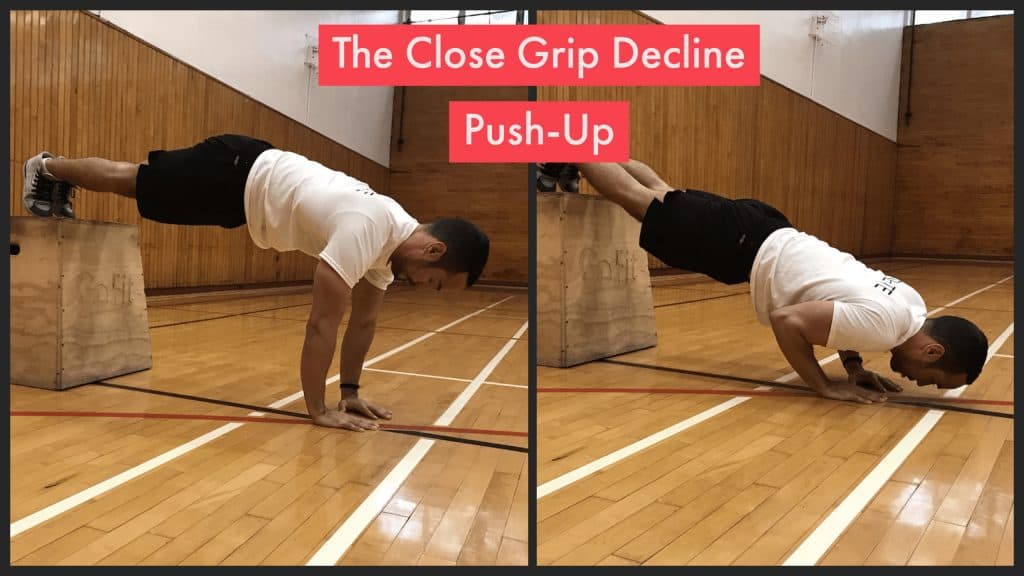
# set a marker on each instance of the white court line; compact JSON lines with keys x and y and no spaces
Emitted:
{"x":506,"y":385}
{"x":572,"y":476}
{"x":992,"y":350}
{"x":622,"y":453}
{"x":79,"y":498}
{"x":70,"y":502}
{"x":451,"y":378}
{"x":289,"y":399}
{"x":335,"y":547}
{"x":1004,"y":355}
{"x":828,"y":531}
{"x":975,"y":293}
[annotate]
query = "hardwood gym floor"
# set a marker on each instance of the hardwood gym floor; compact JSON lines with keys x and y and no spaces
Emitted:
{"x":704,"y":469}
{"x":180,"y":485}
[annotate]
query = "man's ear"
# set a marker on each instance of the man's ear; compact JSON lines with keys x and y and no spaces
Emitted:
{"x":934,"y":351}
{"x":435,"y":250}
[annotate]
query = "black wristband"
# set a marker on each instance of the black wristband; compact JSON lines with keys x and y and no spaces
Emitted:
{"x":857,"y":358}
{"x":346,"y":386}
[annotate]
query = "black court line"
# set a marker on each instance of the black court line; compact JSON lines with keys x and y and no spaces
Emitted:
{"x":189,"y":321}
{"x":229,"y":313}
{"x":254,"y":408}
{"x":918,"y":403}
{"x":218,"y":317}
{"x":894,"y":268}
{"x":232,"y":315}
{"x":699,"y":299}
{"x":250,"y":407}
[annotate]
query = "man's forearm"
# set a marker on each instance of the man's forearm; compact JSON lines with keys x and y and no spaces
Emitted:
{"x":317,"y":353}
{"x":799,"y":353}
{"x":354,"y":347}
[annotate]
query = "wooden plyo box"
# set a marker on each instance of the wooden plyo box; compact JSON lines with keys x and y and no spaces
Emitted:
{"x":594,"y":295}
{"x":78,"y":302}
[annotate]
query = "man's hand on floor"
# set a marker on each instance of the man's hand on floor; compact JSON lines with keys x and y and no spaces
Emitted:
{"x":852,"y":393}
{"x":873,"y":381}
{"x":339,"y":419}
{"x":356,"y":405}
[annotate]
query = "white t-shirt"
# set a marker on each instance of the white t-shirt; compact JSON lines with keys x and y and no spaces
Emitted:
{"x":294,"y":203}
{"x":872,"y":312}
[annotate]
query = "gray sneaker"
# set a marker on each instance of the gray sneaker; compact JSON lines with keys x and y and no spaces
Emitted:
{"x":38,"y":186}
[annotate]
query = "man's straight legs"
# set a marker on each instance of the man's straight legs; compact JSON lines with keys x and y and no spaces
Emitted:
{"x":97,"y":174}
{"x":200,"y":185}
{"x":615,"y":183}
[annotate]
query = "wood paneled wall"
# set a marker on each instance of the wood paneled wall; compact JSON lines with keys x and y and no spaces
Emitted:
{"x":832,"y":178}
{"x":493,"y":196}
{"x":954,"y":174}
{"x":80,"y":87}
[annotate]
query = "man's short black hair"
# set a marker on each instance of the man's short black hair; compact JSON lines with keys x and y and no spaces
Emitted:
{"x":467,"y":247}
{"x":966,"y":345}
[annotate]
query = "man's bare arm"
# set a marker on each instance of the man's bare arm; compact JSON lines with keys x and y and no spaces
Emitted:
{"x":798,"y":328}
{"x":367,"y":301}
{"x":330,"y":297}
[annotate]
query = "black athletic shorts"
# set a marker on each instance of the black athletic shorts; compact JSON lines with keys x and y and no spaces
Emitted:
{"x":201,"y":185}
{"x":709,"y":234}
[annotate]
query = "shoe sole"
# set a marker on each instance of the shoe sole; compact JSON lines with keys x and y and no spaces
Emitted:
{"x":569,"y":181}
{"x":62,"y":214}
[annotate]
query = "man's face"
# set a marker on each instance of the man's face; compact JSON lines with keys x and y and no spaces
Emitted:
{"x":433,"y":277}
{"x":923,"y":374}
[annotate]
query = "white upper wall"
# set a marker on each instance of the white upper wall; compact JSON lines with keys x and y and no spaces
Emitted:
{"x":262,"y":55}
{"x":856,"y":73}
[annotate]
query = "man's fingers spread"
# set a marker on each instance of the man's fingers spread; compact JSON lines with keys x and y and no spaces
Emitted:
{"x":368,"y":424}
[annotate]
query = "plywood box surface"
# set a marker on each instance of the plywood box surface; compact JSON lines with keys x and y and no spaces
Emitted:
{"x":78,"y":303}
{"x":594,"y":295}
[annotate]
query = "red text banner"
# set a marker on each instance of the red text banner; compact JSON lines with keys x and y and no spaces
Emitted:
{"x":515,"y":131}
{"x":547,"y":55}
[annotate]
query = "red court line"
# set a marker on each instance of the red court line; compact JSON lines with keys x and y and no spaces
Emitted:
{"x":257,"y":419}
{"x":938,"y":399}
